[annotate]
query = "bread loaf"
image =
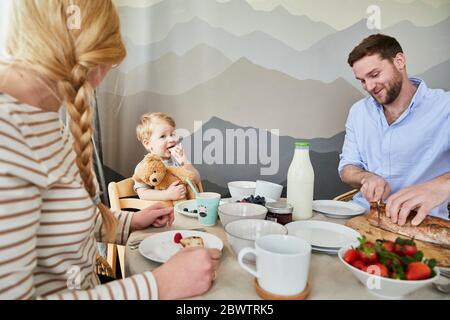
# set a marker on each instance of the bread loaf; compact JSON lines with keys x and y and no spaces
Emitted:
{"x":432,"y":229}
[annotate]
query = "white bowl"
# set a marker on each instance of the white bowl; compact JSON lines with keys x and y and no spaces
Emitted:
{"x":237,"y":210}
{"x":241,"y":189}
{"x":243,"y":233}
{"x":386,"y":288}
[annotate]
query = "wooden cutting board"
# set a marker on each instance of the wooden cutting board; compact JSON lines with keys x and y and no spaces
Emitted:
{"x":372,"y":233}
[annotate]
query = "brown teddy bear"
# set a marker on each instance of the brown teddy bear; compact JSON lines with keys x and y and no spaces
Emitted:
{"x":154,"y":173}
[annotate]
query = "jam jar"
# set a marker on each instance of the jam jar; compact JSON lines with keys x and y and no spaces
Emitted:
{"x":279,"y":211}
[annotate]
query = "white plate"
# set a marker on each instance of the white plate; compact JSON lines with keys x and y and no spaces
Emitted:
{"x":160,"y":247}
{"x":323,"y":234}
{"x":324,"y":251}
{"x":338,"y":209}
{"x":190,"y":205}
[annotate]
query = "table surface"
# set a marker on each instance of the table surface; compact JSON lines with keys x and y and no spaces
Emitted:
{"x":329,"y":278}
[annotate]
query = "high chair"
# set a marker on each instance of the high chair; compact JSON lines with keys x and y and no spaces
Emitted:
{"x":122,"y":197}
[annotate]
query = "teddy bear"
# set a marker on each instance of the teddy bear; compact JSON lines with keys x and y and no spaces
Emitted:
{"x":153,"y":172}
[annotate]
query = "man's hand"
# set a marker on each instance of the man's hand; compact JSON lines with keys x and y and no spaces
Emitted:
{"x":374,"y":188}
{"x":157,"y":215}
{"x":424,"y":197}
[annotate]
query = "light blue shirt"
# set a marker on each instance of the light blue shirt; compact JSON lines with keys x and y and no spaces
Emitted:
{"x":413,"y":149}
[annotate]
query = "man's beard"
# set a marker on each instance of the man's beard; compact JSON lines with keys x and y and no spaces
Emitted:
{"x":393,"y":89}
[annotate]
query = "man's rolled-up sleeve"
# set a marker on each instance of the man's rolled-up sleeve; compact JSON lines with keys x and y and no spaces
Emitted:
{"x":350,"y":151}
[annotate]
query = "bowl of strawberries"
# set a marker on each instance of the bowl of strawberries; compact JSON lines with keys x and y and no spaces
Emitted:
{"x":389,"y":269}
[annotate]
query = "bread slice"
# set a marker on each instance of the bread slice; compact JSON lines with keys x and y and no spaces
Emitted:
{"x":193,"y":241}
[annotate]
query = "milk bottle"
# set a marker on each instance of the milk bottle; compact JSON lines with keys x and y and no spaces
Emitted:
{"x":300,"y":182}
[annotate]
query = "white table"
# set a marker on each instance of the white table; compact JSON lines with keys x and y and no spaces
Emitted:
{"x":329,"y":279}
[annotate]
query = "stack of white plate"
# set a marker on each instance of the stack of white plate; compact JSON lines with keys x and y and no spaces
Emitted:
{"x":338,"y":209}
{"x":324,"y":237}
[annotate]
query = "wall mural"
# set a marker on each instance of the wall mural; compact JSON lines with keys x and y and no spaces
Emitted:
{"x":244,"y":80}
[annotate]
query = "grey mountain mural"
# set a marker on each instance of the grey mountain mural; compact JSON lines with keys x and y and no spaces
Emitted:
{"x":171,"y":74}
{"x":438,"y":77}
{"x":236,"y":17}
{"x":249,"y":95}
{"x":329,"y":147}
{"x":324,"y":61}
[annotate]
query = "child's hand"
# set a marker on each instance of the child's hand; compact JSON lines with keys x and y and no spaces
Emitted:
{"x":176,"y":191}
{"x":178,"y":153}
{"x":157,"y":215}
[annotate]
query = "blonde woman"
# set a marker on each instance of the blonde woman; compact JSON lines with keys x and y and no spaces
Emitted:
{"x":50,"y":213}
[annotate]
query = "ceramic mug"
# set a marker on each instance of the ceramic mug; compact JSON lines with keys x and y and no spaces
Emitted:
{"x":269,"y":190}
{"x":207,"y":204}
{"x":282,"y":263}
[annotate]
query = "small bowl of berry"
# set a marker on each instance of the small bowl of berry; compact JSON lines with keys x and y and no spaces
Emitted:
{"x":389,"y":269}
{"x":187,"y":208}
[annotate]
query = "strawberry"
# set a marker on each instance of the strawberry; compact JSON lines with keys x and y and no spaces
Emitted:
{"x":398,"y":249}
{"x":409,"y":250}
{"x":388,"y":246}
{"x":370,"y":245}
{"x":368,"y":256}
{"x":359,"y":264}
{"x":177,"y":237}
{"x":351,"y":255}
{"x":378,"y":269}
{"x":418,"y":271}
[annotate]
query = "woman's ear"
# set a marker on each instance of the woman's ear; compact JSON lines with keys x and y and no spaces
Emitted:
{"x":96,"y":75}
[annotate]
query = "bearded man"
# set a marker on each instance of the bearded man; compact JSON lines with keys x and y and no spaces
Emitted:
{"x":397,"y":142}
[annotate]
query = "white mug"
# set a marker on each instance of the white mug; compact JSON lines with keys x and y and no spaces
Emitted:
{"x":269,"y":190}
{"x":282,"y":263}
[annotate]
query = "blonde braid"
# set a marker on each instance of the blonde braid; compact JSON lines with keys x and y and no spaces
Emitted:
{"x":76,"y":93}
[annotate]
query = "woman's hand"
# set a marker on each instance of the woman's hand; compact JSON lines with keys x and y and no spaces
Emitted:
{"x":188,"y":273}
{"x":157,"y":215}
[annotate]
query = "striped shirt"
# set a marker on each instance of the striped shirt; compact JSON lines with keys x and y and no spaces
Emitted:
{"x":49,"y":225}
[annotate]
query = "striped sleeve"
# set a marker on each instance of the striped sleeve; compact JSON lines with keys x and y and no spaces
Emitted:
{"x":138,"y":287}
{"x":20,"y":206}
{"x":21,"y":177}
{"x":123,"y":227}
